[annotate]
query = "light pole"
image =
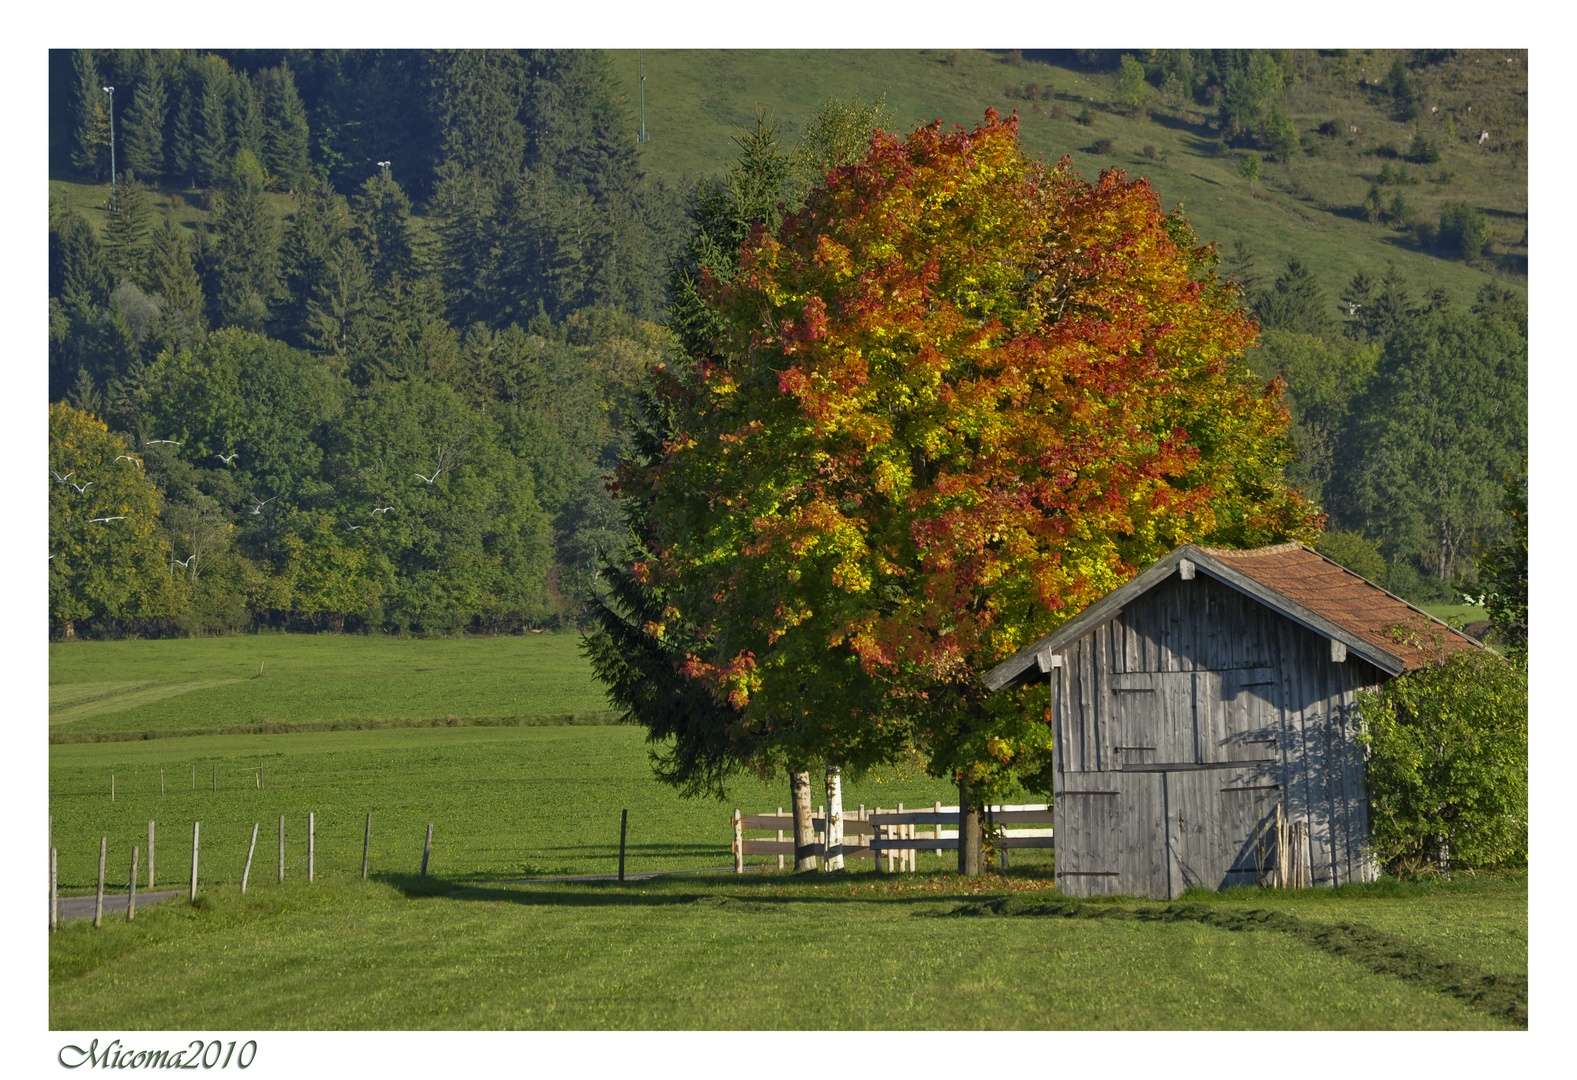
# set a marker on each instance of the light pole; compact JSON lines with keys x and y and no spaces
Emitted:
{"x":641,"y":60}
{"x":384,"y":165}
{"x":110,"y":90}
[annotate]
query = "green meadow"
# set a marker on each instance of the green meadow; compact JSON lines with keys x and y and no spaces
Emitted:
{"x":511,"y":796}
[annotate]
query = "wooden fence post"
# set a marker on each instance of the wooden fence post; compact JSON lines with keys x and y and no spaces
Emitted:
{"x":281,"y":849}
{"x":739,"y":842}
{"x":161,"y":791}
{"x":54,"y":891}
{"x":195,"y":825}
{"x":427,"y":849}
{"x":780,"y":840}
{"x":366,"y":848}
{"x":246,"y":874}
{"x":98,"y":907}
{"x":150,"y":854}
{"x":312,"y":845}
{"x":131,"y":891}
{"x":624,"y":824}
{"x":112,"y":787}
{"x":216,"y":776}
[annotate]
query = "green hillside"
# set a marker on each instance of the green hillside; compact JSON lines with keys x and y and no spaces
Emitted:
{"x":1308,"y":207}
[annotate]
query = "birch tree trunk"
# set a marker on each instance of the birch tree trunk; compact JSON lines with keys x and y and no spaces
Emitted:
{"x":969,"y":845}
{"x":834,"y":860}
{"x":804,"y":830}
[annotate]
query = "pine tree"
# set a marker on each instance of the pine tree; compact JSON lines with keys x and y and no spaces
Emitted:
{"x":142,"y":128}
{"x":464,"y":208}
{"x":172,"y":277}
{"x":211,"y":149}
{"x":476,"y":101}
{"x":1294,"y":302}
{"x":381,"y":214}
{"x":78,"y":272}
{"x":337,"y":314}
{"x":185,"y":119}
{"x":286,"y":135}
{"x":245,"y":117}
{"x":320,"y":221}
{"x":92,"y":150}
{"x":248,"y":262}
{"x":128,"y":228}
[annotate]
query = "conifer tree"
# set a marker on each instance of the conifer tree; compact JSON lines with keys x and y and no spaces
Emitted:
{"x":381,"y":216}
{"x":128,"y":228}
{"x":142,"y":128}
{"x":320,"y":221}
{"x":78,"y":272}
{"x":173,"y":279}
{"x":286,"y":135}
{"x":211,"y":143}
{"x":91,"y":152}
{"x":337,"y":313}
{"x":248,"y":256}
{"x":245,"y":117}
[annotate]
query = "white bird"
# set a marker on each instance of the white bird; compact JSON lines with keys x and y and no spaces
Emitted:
{"x":118,"y":517}
{"x":62,"y":479}
{"x":128,"y":457}
{"x":430,"y":479}
{"x":83,"y":487}
{"x":181,"y":564}
{"x":381,"y":509}
{"x":150,"y":442}
{"x":227,"y":460}
{"x":258,"y":509}
{"x":353,"y":528}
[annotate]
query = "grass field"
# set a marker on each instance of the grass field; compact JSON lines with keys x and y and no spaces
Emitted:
{"x":468,"y":948}
{"x":136,"y":688}
{"x":771,"y":952}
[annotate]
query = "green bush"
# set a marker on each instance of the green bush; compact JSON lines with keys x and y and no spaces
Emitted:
{"x":1448,"y":766}
{"x":1464,"y":229}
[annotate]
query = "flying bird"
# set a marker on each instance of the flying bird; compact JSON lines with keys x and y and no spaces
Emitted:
{"x":82,"y":488}
{"x":118,"y":517}
{"x":258,"y":509}
{"x":353,"y":528}
{"x":62,"y":479}
{"x":430,"y":479}
{"x":181,"y":564}
{"x":381,"y":509}
{"x":150,"y":442}
{"x":128,"y":457}
{"x":227,"y":460}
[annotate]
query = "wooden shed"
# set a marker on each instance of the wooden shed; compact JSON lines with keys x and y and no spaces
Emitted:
{"x":1209,"y":697}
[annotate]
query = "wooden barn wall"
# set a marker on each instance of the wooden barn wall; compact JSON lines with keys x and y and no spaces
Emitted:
{"x":1110,"y":823}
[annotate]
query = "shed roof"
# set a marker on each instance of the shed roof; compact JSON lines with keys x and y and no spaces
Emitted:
{"x":1293,"y":579}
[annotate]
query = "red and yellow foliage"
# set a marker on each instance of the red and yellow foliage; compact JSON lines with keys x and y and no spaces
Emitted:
{"x":960,"y":395}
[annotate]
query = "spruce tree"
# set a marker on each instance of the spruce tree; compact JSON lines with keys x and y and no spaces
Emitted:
{"x":172,"y":277}
{"x":464,"y":209}
{"x":78,"y":272}
{"x":1294,"y":302}
{"x":286,"y":136}
{"x":128,"y":228}
{"x":92,"y":150}
{"x":337,"y":314}
{"x":248,"y":256}
{"x":244,"y":116}
{"x":211,"y":145}
{"x":319,"y":223}
{"x":381,"y":214}
{"x":142,"y":128}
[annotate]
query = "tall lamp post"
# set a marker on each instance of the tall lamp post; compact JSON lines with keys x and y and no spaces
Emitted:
{"x":641,"y":60}
{"x":384,"y":165}
{"x":114,"y":203}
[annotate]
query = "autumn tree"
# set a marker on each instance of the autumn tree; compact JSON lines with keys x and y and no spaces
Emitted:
{"x":107,"y":559}
{"x":951,"y":401}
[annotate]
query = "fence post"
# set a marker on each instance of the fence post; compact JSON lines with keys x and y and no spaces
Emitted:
{"x":98,"y":907}
{"x":216,"y":776}
{"x":54,"y":891}
{"x":366,"y":848}
{"x":247,"y":873}
{"x":112,"y":787}
{"x":161,"y":787}
{"x":936,"y":830}
{"x":624,"y":824}
{"x":131,"y":891}
{"x":150,"y":854}
{"x":739,"y":843}
{"x":427,"y":849}
{"x":780,"y":840}
{"x":312,"y":844}
{"x":195,"y":825}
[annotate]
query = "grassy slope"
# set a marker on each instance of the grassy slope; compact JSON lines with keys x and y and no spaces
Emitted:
{"x":695,"y":102}
{"x":713,"y":952}
{"x":176,"y":685}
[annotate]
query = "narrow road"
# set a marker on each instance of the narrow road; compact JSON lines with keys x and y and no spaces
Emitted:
{"x":81,"y":907}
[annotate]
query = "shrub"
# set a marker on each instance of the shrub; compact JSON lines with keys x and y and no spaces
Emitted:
{"x":951,"y":59}
{"x":1102,"y":146}
{"x":1423,"y":150}
{"x":1464,"y":229}
{"x":1086,"y":116}
{"x":1149,"y":151}
{"x":1448,"y":766}
{"x":1058,"y":112}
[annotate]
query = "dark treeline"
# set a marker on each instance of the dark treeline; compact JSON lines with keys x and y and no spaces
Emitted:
{"x":393,"y":408}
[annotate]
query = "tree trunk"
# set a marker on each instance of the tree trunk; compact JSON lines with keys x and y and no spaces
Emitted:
{"x":804,"y":831}
{"x":969,"y":839}
{"x":71,"y":630}
{"x":834,"y":860}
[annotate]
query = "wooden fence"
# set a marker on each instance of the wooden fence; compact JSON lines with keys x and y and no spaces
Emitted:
{"x":895,"y":835}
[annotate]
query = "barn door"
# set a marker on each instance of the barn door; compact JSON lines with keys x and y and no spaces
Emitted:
{"x":1155,"y":718}
{"x":1217,"y":812}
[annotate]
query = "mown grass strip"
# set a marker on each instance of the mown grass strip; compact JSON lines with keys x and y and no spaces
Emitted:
{"x":1498,"y":995}
{"x":590,"y":719}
